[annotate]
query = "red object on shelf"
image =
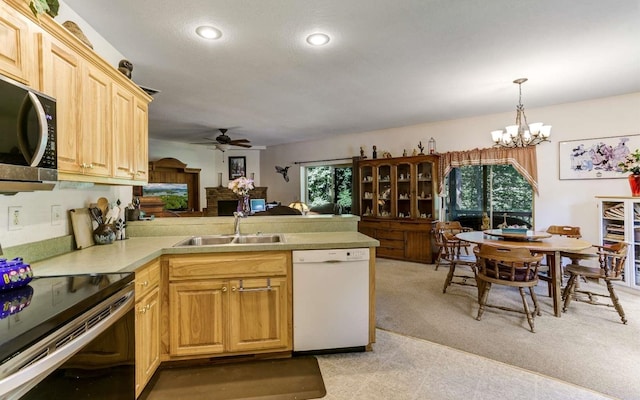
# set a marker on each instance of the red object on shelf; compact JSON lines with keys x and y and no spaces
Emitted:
{"x":634,"y":183}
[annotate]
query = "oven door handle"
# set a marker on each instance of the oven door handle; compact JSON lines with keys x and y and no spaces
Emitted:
{"x":23,"y":380}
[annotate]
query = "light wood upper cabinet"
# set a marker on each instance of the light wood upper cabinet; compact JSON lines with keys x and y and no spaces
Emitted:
{"x":130,"y":135}
{"x":17,"y":47}
{"x":122,"y":124}
{"x":140,"y":150}
{"x":62,"y":71}
{"x":102,"y":124}
{"x":95,"y":136}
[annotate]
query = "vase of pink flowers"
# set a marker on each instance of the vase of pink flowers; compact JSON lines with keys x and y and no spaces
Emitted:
{"x":241,"y":186}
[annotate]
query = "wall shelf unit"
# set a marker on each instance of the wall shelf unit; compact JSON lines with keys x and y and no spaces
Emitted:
{"x":619,"y":221}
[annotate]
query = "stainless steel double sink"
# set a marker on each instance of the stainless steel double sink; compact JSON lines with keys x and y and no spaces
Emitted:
{"x":217,"y":240}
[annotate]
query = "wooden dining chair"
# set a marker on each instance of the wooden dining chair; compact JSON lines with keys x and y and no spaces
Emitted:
{"x":609,"y":268}
{"x":459,"y":259}
{"x":513,"y":267}
{"x":448,"y":248}
{"x":560,"y":230}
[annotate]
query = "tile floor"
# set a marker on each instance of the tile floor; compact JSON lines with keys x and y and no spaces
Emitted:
{"x":401,"y":367}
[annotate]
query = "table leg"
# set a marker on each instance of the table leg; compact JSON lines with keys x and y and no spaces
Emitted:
{"x":556,"y":280}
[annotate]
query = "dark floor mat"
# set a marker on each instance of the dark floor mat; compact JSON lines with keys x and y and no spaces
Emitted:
{"x":282,"y":379}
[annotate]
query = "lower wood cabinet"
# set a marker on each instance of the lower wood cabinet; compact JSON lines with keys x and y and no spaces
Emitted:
{"x":198,"y":312}
{"x":400,"y":240}
{"x":147,"y":323}
{"x":259,"y":314}
{"x":229,"y":303}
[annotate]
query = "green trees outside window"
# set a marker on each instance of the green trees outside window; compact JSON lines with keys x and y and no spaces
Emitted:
{"x":494,"y":189}
{"x":329,"y":184}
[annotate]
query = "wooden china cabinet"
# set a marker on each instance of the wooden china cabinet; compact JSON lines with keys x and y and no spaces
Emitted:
{"x":397,"y":202}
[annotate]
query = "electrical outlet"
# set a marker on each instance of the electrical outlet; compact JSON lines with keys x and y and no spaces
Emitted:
{"x":15,"y":218}
{"x":56,"y":215}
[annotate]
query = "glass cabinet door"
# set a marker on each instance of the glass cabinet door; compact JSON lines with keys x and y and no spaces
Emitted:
{"x":366,"y":191}
{"x":384,"y":191}
{"x":403,"y":190}
{"x":425,"y":190}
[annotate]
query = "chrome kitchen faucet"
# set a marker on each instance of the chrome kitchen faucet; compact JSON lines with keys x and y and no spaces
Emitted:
{"x":236,"y":221}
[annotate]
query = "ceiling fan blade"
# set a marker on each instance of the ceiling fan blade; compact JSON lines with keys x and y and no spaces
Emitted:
{"x":242,"y":145}
{"x":240,"y":141}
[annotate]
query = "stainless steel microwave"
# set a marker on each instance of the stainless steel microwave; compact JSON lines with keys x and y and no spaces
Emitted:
{"x":28,"y":152}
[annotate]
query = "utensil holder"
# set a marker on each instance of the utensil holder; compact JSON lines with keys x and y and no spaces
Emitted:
{"x":104,"y":234}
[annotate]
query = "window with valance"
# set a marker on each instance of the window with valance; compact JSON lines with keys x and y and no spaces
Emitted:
{"x":523,"y":159}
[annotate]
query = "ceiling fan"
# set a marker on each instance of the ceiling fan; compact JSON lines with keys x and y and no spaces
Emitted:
{"x":223,"y":142}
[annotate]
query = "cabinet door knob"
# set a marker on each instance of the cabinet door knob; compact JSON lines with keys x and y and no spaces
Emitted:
{"x":224,"y":288}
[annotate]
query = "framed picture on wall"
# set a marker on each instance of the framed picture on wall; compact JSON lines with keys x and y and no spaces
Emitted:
{"x":237,"y":167}
{"x":596,"y":158}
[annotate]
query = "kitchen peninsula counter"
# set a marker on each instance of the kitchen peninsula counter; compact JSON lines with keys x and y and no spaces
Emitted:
{"x":175,"y":281}
{"x":128,"y":255}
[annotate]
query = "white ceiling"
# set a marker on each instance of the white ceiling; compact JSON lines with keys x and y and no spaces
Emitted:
{"x":390,"y":63}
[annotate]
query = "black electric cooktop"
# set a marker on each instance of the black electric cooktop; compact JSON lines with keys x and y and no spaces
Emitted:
{"x":46,"y":303}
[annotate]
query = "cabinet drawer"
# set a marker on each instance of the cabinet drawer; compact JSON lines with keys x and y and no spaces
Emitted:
{"x":147,"y":278}
{"x":390,"y":252}
{"x":229,"y":265}
{"x":384,"y":234}
{"x":392,"y":244}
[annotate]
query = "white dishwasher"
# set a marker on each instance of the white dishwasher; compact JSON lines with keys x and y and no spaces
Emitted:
{"x":330,"y":300}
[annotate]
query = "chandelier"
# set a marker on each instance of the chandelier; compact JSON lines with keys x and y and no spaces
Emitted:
{"x":521,"y":134}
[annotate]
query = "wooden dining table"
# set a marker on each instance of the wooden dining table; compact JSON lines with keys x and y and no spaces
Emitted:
{"x":553,"y":246}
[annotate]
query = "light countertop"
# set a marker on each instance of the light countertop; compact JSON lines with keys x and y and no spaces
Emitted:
{"x":128,"y":255}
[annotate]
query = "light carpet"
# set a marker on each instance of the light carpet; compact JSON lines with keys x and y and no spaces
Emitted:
{"x":587,"y":346}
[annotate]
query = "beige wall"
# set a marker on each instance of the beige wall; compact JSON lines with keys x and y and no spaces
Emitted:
{"x":569,"y":202}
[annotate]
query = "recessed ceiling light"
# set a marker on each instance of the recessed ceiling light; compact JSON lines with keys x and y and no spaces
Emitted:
{"x":208,"y":32}
{"x":318,"y":39}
